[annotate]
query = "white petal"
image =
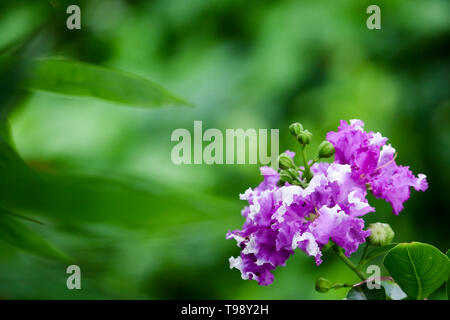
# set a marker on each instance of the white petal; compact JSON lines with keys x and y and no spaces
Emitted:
{"x":353,"y":199}
{"x":312,"y":248}
{"x":337,"y":172}
{"x":278,"y":215}
{"x":251,"y":246}
{"x":246,"y":195}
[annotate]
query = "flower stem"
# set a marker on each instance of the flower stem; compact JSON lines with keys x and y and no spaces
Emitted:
{"x":348,"y":262}
{"x":363,"y":256}
{"x":307,"y":172}
{"x":341,"y":285}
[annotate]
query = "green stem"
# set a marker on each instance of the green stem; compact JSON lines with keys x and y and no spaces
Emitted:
{"x":341,"y":285}
{"x":363,"y":256}
{"x":348,"y":262}
{"x":307,"y":172}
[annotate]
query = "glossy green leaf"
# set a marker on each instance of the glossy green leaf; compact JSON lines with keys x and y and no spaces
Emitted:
{"x":418,"y":268}
{"x":393,"y":290}
{"x":362,"y":292}
{"x":17,"y":234}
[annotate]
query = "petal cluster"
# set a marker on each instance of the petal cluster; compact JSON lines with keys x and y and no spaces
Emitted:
{"x":280,"y":219}
{"x":373,"y":163}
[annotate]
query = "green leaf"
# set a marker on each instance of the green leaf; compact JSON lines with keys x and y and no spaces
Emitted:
{"x":17,"y":179}
{"x":87,"y":80}
{"x":362,"y":292}
{"x":377,"y":252}
{"x":418,"y":268}
{"x":16,"y":234}
{"x":448,"y":284}
{"x":393,"y":290}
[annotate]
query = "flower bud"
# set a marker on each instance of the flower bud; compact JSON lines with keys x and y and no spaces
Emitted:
{"x":295,"y":129}
{"x":326,"y":149}
{"x":381,"y":234}
{"x":323,"y":285}
{"x":293,"y":173}
{"x":304,"y":137}
{"x":285,"y":162}
{"x":285,"y":177}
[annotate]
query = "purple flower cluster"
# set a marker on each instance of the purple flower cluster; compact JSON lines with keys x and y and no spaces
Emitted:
{"x":280,"y":219}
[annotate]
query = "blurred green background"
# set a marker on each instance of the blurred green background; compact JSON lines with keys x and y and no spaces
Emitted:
{"x":140,"y":227}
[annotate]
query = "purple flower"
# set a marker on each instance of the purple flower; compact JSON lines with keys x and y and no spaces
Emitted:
{"x":334,"y":224}
{"x":392,"y":182}
{"x":280,"y":219}
{"x":373,"y":163}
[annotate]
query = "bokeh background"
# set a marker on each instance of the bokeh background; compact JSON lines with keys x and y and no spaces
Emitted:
{"x":139,"y":226}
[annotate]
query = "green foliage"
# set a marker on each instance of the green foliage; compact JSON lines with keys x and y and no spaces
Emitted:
{"x":448,"y":284}
{"x":362,"y":292}
{"x":86,"y":80}
{"x":418,"y":268}
{"x":393,"y":290}
{"x":17,"y":234}
{"x":377,"y":252}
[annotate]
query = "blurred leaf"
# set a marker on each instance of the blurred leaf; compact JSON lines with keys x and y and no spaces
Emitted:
{"x":128,"y":202}
{"x":18,"y":22}
{"x":418,"y":268}
{"x":87,"y":80}
{"x":20,"y":216}
{"x":16,"y":234}
{"x":17,"y":179}
{"x":362,"y":292}
{"x":377,"y":252}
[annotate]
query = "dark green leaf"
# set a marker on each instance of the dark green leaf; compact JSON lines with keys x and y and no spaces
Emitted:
{"x":448,"y":284}
{"x":362,"y":292}
{"x":16,"y":234}
{"x":418,"y":268}
{"x":377,"y":252}
{"x":17,"y":179}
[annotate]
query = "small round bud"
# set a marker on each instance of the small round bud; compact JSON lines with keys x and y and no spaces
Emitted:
{"x":381,"y":234}
{"x":304,"y":137}
{"x":326,"y":149}
{"x":323,"y":285}
{"x":285,"y":162}
{"x":295,"y":129}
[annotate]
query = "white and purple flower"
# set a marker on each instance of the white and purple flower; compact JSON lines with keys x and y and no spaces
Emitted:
{"x":280,"y":219}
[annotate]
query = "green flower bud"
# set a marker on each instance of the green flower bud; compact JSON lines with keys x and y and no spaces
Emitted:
{"x":293,"y":173}
{"x":285,"y":162}
{"x":295,"y":129}
{"x":326,"y":149}
{"x":381,"y":234}
{"x":304,"y":137}
{"x":323,"y":285}
{"x":285,"y":177}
